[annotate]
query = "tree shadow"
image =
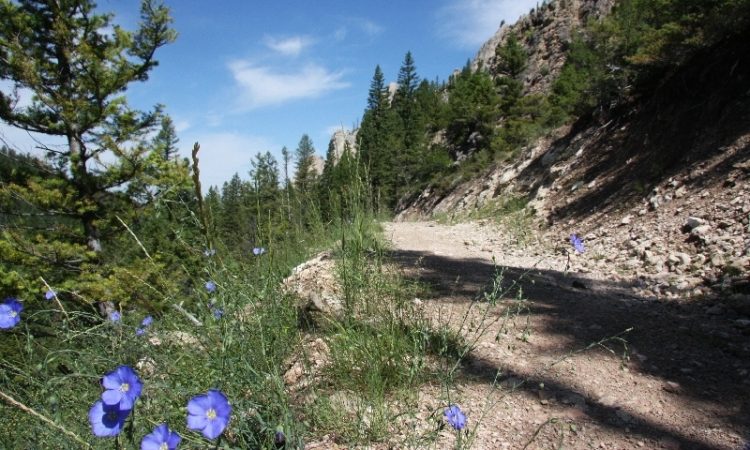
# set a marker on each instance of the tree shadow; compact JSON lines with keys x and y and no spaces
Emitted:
{"x":679,"y":126}
{"x":706,"y":355}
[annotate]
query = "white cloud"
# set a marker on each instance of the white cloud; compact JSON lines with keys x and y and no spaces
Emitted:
{"x":370,"y":28}
{"x":181,"y":126}
{"x":354,"y":25}
{"x":291,"y":46}
{"x":340,"y":33}
{"x":266,"y":86}
{"x":223,"y":154}
{"x":472,"y":22}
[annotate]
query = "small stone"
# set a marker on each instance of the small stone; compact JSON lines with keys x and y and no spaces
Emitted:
{"x":672,"y":386}
{"x":717,"y":260}
{"x":679,"y":258}
{"x":700,"y":230}
{"x":693,"y":222}
{"x":626,"y":220}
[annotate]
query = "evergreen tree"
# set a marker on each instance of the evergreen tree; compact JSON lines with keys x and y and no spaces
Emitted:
{"x":379,"y":136}
{"x":378,"y":93}
{"x":77,"y":72}
{"x":233,"y":222}
{"x":326,"y":187}
{"x":511,"y":57}
{"x":77,"y":64}
{"x":472,"y":110}
{"x":304,"y":176}
{"x":166,"y":140}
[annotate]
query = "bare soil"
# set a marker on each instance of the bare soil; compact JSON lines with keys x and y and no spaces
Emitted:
{"x":558,"y":375}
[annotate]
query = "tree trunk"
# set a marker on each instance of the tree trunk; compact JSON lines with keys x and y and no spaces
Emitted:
{"x":83,"y":183}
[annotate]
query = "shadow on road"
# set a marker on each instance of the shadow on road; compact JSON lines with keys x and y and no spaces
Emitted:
{"x":705,"y":355}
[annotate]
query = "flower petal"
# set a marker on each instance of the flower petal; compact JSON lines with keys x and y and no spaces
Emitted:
{"x":215,"y":427}
{"x":112,"y":397}
{"x":197,"y":421}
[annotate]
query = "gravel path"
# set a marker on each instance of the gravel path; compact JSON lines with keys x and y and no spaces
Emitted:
{"x":677,"y":380}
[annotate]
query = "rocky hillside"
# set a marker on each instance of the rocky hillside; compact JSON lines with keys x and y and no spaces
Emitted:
{"x":659,"y":188}
{"x":545,"y":33}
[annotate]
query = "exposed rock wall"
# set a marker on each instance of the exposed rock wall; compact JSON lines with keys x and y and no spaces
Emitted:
{"x":545,"y":33}
{"x":340,"y":139}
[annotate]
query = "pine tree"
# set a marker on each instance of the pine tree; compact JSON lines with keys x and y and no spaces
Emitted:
{"x":379,"y":137}
{"x":166,"y":140}
{"x":511,"y":57}
{"x":304,"y":176}
{"x":377,"y":93}
{"x":77,"y":72}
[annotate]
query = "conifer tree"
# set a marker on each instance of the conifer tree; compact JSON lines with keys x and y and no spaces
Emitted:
{"x":305,"y":172}
{"x":166,"y":140}
{"x":77,"y":71}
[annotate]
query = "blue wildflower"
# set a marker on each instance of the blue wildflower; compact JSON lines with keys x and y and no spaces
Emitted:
{"x":115,"y":316}
{"x":210,"y":287}
{"x":107,"y":420}
{"x":257,"y":251}
{"x":147,"y":321}
{"x":455,"y":417}
{"x":10,"y":313}
{"x":209,"y":413}
{"x":140,"y":331}
{"x":577,"y":243}
{"x":217,"y":312}
{"x":50,"y":294}
{"x":161,"y":439}
{"x":122,"y":386}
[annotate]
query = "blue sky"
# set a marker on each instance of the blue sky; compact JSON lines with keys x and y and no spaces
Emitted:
{"x":253,"y":76}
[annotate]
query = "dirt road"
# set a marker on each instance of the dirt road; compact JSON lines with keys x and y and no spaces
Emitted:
{"x":677,"y":380}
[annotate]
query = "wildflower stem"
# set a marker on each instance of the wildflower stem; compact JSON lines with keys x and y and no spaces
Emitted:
{"x":45,"y":419}
{"x":57,"y":299}
{"x":134,"y":237}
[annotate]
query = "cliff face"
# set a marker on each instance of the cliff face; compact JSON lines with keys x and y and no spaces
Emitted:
{"x":340,"y":139}
{"x":545,"y":33}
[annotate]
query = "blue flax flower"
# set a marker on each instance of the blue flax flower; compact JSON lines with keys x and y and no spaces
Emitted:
{"x":107,"y":420}
{"x":257,"y":251}
{"x":209,"y":413}
{"x":10,"y":313}
{"x":115,"y":316}
{"x":217,"y":312}
{"x":577,"y":243}
{"x":50,"y":294}
{"x":455,"y":417}
{"x":161,"y":439}
{"x":122,"y":386}
{"x":210,"y":287}
{"x":145,"y":323}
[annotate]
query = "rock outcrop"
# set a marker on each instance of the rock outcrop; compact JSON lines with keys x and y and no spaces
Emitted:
{"x":342,"y":138}
{"x":545,"y":33}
